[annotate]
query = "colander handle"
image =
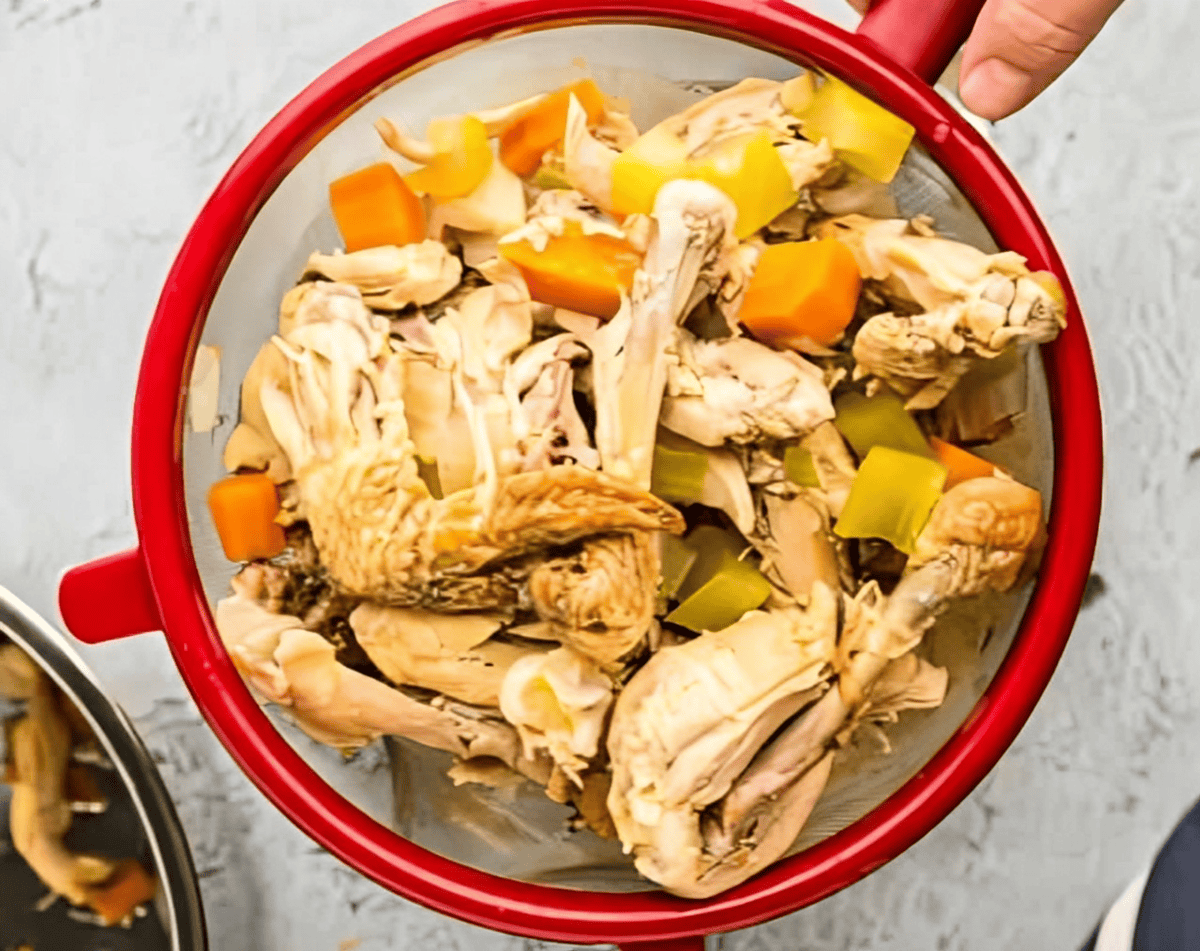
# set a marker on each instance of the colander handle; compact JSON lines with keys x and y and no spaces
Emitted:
{"x":108,"y":598}
{"x":921,"y":35}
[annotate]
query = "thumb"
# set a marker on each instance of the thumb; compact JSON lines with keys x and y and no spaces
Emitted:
{"x":1019,"y":47}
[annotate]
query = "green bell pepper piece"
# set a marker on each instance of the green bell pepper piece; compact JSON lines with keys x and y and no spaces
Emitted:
{"x":879,"y":420}
{"x":736,"y":588}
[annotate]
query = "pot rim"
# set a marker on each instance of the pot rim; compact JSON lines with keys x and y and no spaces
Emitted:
{"x":540,"y":911}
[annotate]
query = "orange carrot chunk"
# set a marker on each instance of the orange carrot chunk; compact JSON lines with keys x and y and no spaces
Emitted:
{"x":529,"y":138}
{"x":577,"y":271}
{"x":960,"y":464}
{"x":243,"y":509}
{"x":129,"y":886}
{"x":374,"y":207}
{"x":802,"y":290}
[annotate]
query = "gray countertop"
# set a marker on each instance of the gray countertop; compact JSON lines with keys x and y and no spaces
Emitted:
{"x":117,"y":117}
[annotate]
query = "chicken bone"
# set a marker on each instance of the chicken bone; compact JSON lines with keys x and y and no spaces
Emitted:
{"x":631,"y":352}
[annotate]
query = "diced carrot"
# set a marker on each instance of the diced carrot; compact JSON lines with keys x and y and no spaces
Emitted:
{"x":243,"y":509}
{"x":129,"y":886}
{"x":802,"y":290}
{"x":577,"y":271}
{"x":960,"y":464}
{"x":374,"y":207}
{"x":529,"y":138}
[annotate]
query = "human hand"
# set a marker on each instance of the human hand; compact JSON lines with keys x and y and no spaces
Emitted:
{"x":1019,"y":47}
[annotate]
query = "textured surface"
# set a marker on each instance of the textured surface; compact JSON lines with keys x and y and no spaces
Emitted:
{"x":119,"y":116}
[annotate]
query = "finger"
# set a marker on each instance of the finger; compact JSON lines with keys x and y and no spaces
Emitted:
{"x":860,"y":5}
{"x":1019,"y":47}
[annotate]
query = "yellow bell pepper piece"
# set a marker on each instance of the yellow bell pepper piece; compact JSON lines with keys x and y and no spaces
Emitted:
{"x":581,"y":272}
{"x":891,"y":497}
{"x":657,"y":157}
{"x":864,"y":134}
{"x":529,"y":138}
{"x":746,"y":168}
{"x":462,"y":158}
{"x":802,"y":290}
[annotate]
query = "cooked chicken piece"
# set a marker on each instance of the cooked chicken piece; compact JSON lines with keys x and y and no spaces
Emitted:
{"x":380,"y":533}
{"x":958,"y":560}
{"x":247,"y":448}
{"x":452,"y":654}
{"x":764,"y":810}
{"x":495,"y":207}
{"x":738,"y":390}
{"x":39,"y":752}
{"x":970,"y":305}
{"x":255,"y":443}
{"x":688,"y":723}
{"x":725,"y":485}
{"x":766,"y":796}
{"x":601,"y":600}
{"x":806,"y":162}
{"x":437,"y":420}
{"x":631,"y":352}
{"x":540,"y":388}
{"x":907,"y":683}
{"x":833,"y":463}
{"x":558,"y":701}
{"x":391,"y":277}
{"x":587,"y":162}
{"x":793,"y":537}
{"x":986,"y":527}
{"x":750,"y":106}
{"x":851,"y":192}
{"x":296,"y":669}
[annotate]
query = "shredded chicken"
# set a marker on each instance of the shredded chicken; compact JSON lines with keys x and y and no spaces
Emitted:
{"x":631,"y":352}
{"x":738,"y":390}
{"x":346,"y":436}
{"x":391,"y":278}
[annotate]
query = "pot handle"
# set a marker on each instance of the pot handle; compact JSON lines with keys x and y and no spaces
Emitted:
{"x":920,"y":35}
{"x":108,"y":598}
{"x":695,"y":943}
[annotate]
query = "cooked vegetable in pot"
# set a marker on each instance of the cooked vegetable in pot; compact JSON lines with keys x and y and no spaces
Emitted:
{"x":603,"y":457}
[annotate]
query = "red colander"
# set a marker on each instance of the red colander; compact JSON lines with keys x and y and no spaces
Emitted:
{"x":249,"y":243}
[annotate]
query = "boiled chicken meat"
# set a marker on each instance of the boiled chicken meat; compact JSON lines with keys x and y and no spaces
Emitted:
{"x":957,"y":305}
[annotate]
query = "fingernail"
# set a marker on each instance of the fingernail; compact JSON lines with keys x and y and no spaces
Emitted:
{"x":995,"y":89}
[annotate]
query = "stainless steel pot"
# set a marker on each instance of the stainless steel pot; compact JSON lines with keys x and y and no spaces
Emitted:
{"x":140,"y":820}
